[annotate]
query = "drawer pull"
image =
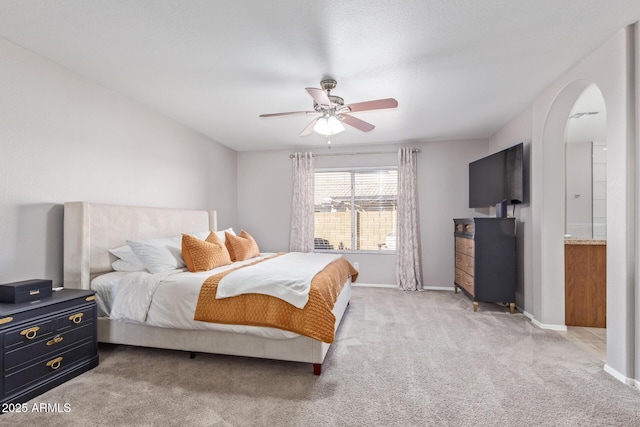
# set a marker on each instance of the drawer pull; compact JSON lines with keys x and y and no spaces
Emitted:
{"x":55,"y":363}
{"x":31,"y":332}
{"x":55,"y":340}
{"x":76,"y":318}
{"x":91,"y":298}
{"x":34,"y":292}
{"x":5,"y":320}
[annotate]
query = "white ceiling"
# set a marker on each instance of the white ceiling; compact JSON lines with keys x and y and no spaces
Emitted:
{"x":458,"y":68}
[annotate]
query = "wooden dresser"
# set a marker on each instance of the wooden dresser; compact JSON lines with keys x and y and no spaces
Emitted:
{"x":46,"y":342}
{"x":485,"y":260}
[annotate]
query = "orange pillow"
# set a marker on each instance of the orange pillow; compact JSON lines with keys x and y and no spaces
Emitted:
{"x":204,"y":255}
{"x":241,"y":247}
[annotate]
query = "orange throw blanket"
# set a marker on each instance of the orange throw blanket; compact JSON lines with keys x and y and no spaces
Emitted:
{"x":315,"y":320}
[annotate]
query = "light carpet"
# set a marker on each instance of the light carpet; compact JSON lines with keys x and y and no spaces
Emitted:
{"x":400,"y":359}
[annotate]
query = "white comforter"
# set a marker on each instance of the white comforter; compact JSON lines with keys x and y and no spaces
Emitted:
{"x":287,"y":277}
{"x":169,"y":300}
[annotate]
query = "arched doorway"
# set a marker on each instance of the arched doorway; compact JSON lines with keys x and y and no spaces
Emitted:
{"x":550,"y":301}
{"x":612,"y":69}
{"x":585,"y":222}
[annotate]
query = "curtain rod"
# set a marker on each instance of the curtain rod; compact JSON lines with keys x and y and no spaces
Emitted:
{"x":354,"y":153}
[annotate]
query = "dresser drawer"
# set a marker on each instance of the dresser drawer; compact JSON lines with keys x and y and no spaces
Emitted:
{"x":469,"y":247}
{"x":27,"y":353}
{"x":460,"y":259}
{"x":467,"y":283}
{"x":469,"y":228}
{"x":48,"y":366}
{"x":29,"y":333}
{"x":468,"y":264}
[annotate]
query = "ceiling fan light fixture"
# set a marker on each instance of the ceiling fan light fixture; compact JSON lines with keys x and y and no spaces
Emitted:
{"x":328,"y":125}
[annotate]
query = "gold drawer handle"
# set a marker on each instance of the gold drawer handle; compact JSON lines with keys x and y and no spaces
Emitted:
{"x":55,"y":340}
{"x":31,"y":332}
{"x":76,"y":318}
{"x":55,"y":363}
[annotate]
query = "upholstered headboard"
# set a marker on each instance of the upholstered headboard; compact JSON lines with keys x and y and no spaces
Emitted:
{"x":91,"y":229}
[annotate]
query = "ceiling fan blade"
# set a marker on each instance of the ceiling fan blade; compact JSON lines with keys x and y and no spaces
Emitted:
{"x":291,"y":113}
{"x":309,"y":129}
{"x":378,"y":104}
{"x":319,"y":96}
{"x":356,"y":123}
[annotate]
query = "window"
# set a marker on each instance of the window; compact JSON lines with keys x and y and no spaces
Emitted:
{"x":356,"y":209}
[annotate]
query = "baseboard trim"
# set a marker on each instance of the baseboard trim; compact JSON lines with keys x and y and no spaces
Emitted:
{"x":373,"y":285}
{"x":623,"y":379}
{"x":551,"y":327}
{"x":385,"y":285}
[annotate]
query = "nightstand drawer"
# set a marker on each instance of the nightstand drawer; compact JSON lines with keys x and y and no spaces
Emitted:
{"x":29,"y":333}
{"x":49,"y":366}
{"x":27,"y":353}
{"x":75,"y":319}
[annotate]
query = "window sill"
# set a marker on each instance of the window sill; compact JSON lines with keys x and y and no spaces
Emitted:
{"x":374,"y":252}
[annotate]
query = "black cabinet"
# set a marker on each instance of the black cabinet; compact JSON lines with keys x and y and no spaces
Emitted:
{"x":485,"y":259}
{"x":46,"y":342}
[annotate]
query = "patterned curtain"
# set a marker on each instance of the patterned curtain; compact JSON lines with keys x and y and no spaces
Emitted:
{"x":302,"y":220}
{"x":408,"y":265}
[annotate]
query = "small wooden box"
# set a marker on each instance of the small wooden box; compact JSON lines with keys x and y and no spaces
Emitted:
{"x":25,"y":291}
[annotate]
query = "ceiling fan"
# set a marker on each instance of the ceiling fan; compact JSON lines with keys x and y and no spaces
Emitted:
{"x":333,"y":112}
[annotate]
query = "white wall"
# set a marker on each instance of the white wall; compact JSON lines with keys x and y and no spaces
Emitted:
{"x":265,"y":187}
{"x":516,"y":131}
{"x":64,"y":138}
{"x":611,"y":68}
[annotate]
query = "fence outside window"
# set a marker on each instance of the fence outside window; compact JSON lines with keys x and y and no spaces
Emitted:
{"x":356,"y":210}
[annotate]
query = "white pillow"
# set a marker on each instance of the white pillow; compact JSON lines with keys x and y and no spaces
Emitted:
{"x":202,"y":235}
{"x":122,"y":265}
{"x":158,"y":255}
{"x":126,"y":254}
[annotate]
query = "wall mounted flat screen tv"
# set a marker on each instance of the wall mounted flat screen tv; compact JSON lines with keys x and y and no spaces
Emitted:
{"x":496,"y":178}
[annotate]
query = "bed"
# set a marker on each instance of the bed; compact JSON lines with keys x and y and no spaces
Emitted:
{"x":91,"y":230}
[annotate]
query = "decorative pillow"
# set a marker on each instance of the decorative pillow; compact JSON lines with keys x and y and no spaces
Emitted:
{"x":122,"y":265}
{"x":202,"y":235}
{"x":126,"y":254}
{"x":158,"y":255}
{"x":241,"y":247}
{"x":204,"y":255}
